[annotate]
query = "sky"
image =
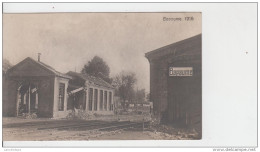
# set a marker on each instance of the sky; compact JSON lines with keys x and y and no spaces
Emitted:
{"x":67,"y":41}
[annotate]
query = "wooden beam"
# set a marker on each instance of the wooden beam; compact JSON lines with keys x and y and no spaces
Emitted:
{"x":75,"y":91}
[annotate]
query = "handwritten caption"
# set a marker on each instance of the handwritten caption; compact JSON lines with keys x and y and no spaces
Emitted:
{"x":189,"y":18}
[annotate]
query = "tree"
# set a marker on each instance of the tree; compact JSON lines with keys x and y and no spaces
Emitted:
{"x":148,"y":97}
{"x":98,"y":68}
{"x":6,"y":65}
{"x":140,"y":95}
{"x":124,"y":83}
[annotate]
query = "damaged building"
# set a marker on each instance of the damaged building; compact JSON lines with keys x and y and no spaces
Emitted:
{"x":92,"y":94}
{"x":34,"y":87}
{"x":176,"y":82}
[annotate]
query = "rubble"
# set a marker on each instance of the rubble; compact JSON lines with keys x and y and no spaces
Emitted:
{"x":174,"y":132}
{"x":29,"y":115}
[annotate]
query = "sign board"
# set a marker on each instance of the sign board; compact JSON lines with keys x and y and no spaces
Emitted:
{"x":180,"y":71}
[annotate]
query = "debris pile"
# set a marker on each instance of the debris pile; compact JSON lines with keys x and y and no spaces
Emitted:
{"x":176,"y":133}
{"x":29,"y":115}
{"x":78,"y":114}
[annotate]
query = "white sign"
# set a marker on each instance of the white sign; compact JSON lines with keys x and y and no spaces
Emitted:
{"x":180,"y":71}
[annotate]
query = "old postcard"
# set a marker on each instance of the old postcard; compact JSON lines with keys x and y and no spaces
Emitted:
{"x":102,"y":76}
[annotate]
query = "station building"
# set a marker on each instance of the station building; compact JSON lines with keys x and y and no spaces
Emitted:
{"x":34,"y":87}
{"x":176,"y":82}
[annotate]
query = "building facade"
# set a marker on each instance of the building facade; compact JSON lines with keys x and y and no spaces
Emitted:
{"x":89,"y":93}
{"x":34,"y":87}
{"x":176,"y":82}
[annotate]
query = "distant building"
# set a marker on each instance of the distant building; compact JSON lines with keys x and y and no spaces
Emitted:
{"x":32,"y":86}
{"x":176,"y":82}
{"x":92,"y":94}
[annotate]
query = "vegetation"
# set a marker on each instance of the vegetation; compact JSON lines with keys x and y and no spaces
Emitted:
{"x":98,"y":68}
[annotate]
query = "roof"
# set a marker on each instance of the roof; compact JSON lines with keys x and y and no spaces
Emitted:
{"x":42,"y":65}
{"x":93,"y":79}
{"x":178,"y":47}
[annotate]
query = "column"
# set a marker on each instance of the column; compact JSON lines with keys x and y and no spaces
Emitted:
{"x":36,"y":100}
{"x":98,"y":100}
{"x":93,"y":95}
{"x":103,"y":100}
{"x":112,"y":100}
{"x":17,"y":102}
{"x":29,"y":103}
{"x":86,"y":94}
{"x":24,"y":98}
{"x":107,"y":100}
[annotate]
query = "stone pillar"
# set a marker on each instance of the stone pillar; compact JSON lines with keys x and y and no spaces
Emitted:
{"x":29,"y":100}
{"x":17,"y":101}
{"x":36,"y":100}
{"x":93,"y":102}
{"x":98,"y":100}
{"x":112,"y":100}
{"x":107,"y":100}
{"x":86,"y":98}
{"x":103,"y":100}
{"x":24,"y":98}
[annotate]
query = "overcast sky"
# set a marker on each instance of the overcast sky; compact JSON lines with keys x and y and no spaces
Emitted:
{"x":69,"y":40}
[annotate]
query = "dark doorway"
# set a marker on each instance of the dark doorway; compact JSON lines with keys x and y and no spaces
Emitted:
{"x":27,"y":98}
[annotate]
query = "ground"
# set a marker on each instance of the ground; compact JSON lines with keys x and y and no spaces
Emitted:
{"x":44,"y":129}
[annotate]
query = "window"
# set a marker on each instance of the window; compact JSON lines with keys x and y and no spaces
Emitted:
{"x":110,"y":101}
{"x":105,"y":101}
{"x":90,"y":99}
{"x":95,"y":99}
{"x":101,"y":100}
{"x":61,"y":96}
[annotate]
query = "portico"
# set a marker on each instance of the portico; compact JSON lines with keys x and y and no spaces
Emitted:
{"x":97,"y":95}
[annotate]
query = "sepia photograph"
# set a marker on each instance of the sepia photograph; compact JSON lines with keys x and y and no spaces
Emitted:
{"x":102,"y":76}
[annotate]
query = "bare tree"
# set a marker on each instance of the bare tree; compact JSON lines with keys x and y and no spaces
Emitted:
{"x":124,"y":83}
{"x":6,"y":65}
{"x":140,"y":95}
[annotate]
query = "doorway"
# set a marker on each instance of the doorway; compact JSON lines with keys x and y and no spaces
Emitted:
{"x":27,"y":99}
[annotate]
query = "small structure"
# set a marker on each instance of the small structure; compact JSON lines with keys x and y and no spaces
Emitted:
{"x":176,"y":82}
{"x":89,"y":93}
{"x":34,"y":87}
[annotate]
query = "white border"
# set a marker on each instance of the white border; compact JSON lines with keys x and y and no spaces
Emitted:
{"x":229,"y":75}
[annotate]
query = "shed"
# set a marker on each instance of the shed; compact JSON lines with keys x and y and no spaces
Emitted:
{"x":176,"y":82}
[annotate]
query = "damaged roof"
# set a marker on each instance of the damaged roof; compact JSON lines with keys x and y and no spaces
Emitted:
{"x":93,"y":79}
{"x":40,"y":65}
